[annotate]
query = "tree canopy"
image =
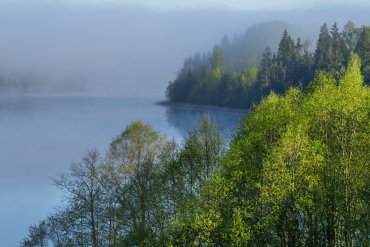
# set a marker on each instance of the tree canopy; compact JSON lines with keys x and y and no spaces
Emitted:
{"x":296,"y":173}
{"x":214,"y":79}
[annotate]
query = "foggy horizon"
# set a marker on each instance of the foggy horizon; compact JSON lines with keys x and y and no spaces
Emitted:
{"x":61,"y":47}
{"x":77,"y":75}
{"x":168,"y":5}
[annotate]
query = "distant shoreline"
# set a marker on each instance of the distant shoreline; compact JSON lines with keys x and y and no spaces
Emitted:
{"x":198,"y":106}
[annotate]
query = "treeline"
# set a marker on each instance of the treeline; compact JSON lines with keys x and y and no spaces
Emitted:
{"x":210,"y":81}
{"x":296,"y":173}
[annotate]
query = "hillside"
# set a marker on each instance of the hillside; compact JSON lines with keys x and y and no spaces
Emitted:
{"x":230,"y":75}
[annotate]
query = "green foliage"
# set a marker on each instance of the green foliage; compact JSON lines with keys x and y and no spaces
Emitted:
{"x":266,"y":67}
{"x":133,"y":171}
{"x":363,"y":50}
{"x":228,"y":75}
{"x":338,"y":49}
{"x":323,"y":49}
{"x":216,"y":62}
{"x":217,"y":82}
{"x":296,"y":173}
{"x":135,"y":195}
{"x":350,"y":35}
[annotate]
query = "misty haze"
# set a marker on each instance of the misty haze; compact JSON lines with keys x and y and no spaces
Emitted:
{"x":128,"y":123}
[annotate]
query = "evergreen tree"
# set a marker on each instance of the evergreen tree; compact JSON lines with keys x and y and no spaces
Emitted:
{"x":337,"y":59}
{"x":296,"y":172}
{"x":264,"y":75}
{"x":216,"y":62}
{"x":285,"y":58}
{"x":323,"y":49}
{"x":295,"y":175}
{"x":363,"y":49}
{"x":304,"y":71}
{"x":286,"y":51}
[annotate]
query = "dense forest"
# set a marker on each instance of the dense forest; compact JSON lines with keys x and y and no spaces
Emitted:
{"x":295,"y":173}
{"x":230,"y":75}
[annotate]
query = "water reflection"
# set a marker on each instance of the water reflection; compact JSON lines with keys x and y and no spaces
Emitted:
{"x":184,"y":117}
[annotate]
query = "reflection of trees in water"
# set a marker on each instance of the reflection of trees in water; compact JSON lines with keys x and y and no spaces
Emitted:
{"x":185,"y":117}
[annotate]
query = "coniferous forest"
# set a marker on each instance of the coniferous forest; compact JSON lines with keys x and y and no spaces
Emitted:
{"x":223,"y":78}
{"x":295,"y":172}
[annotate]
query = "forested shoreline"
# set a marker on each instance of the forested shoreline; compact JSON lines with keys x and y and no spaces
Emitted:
{"x":295,"y":173}
{"x":225,"y":78}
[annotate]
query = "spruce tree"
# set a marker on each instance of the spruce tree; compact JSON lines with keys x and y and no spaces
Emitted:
{"x":323,"y":49}
{"x":285,"y":56}
{"x":338,"y":49}
{"x":264,"y":76}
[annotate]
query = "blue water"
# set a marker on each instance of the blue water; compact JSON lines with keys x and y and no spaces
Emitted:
{"x":40,"y":136}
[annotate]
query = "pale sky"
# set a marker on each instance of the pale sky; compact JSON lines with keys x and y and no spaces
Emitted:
{"x":215,"y":4}
{"x":233,"y":4}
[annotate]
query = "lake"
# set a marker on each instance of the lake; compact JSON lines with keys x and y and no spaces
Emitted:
{"x":40,"y":136}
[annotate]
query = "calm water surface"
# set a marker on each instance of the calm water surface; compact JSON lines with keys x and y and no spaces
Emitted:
{"x":40,"y":136}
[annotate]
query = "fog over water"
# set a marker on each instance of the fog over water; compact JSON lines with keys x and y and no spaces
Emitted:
{"x":80,"y":72}
{"x":63,"y":47}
